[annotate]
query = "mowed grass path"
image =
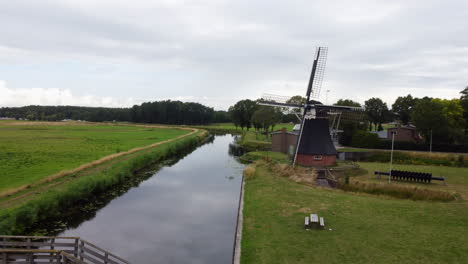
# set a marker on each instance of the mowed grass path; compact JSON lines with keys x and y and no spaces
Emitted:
{"x":29,"y":153}
{"x":365,"y":228}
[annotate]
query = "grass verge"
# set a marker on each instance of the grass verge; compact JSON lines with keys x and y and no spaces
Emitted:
{"x":36,"y":152}
{"x":364,"y":228}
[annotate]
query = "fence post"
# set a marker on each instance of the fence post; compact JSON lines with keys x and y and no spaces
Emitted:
{"x":81,"y":250}
{"x":75,"y":254}
{"x":52,"y":241}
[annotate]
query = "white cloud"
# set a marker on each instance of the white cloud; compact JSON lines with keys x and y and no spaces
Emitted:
{"x":216,"y":52}
{"x":10,"y":97}
{"x":55,"y":96}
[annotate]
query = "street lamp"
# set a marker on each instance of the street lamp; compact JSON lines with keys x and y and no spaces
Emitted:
{"x":391,"y":155}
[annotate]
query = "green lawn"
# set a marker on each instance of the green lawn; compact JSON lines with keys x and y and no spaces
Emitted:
{"x":29,"y":153}
{"x":364,"y":228}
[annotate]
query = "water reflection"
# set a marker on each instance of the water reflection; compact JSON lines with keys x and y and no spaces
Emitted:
{"x":185,"y":213}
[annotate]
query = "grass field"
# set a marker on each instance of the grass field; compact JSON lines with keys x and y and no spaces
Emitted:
{"x":31,"y":151}
{"x":361,"y":228}
{"x":22,"y":210}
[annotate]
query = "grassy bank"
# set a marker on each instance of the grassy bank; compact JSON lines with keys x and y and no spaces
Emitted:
{"x":17,"y":216}
{"x":364,"y":228}
{"x":32,"y":151}
{"x":252,"y":141}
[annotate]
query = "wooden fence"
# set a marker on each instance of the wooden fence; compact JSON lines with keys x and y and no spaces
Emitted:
{"x":37,"y":249}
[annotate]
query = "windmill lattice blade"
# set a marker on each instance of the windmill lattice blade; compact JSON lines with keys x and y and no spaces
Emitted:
{"x":345,"y":113}
{"x":277,"y":100}
{"x":321,"y":57}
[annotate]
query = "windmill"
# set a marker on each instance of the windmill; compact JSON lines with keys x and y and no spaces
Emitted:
{"x":314,"y":145}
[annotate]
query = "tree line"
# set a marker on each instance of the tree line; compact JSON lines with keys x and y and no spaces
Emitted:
{"x":446,"y":121}
{"x":160,"y":112}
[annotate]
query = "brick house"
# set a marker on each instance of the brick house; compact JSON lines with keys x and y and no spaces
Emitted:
{"x":404,"y":133}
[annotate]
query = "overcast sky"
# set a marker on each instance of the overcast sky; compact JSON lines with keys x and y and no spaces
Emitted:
{"x":120,"y":53}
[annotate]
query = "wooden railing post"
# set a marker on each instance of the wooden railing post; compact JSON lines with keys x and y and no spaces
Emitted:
{"x":58,"y":257}
{"x":81,"y":250}
{"x":52,"y":241}
{"x":106,"y":258}
{"x":75,"y":254}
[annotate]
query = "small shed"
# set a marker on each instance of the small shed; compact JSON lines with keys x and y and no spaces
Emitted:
{"x":284,"y":141}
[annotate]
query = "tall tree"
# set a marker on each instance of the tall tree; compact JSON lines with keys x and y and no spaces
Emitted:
{"x":297,"y":100}
{"x":428,"y":117}
{"x":377,"y":112}
{"x":403,"y":107}
{"x":348,"y":102}
{"x":464,"y":104}
{"x":241,"y":113}
{"x":266,"y":117}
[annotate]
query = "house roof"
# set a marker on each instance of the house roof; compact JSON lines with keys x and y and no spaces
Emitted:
{"x":410,"y":127}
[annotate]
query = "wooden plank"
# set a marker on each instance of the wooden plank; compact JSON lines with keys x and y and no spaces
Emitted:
{"x":94,"y":253}
{"x":322,"y":223}
{"x":14,"y":250}
{"x":89,"y":258}
{"x":71,"y":258}
{"x":100,"y":249}
{"x":314,"y":221}
{"x":38,"y":237}
{"x":35,"y":244}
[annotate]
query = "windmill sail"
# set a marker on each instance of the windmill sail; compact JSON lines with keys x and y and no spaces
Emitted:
{"x":317,"y":73}
{"x":314,"y":145}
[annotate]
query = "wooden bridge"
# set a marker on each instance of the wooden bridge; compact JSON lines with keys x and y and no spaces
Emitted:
{"x":42,"y":249}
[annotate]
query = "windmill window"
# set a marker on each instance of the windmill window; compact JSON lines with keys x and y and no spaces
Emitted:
{"x":317,"y":157}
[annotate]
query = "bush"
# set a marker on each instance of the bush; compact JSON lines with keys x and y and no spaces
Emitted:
{"x":414,"y":158}
{"x":249,"y":172}
{"x":399,"y":191}
{"x":364,"y":139}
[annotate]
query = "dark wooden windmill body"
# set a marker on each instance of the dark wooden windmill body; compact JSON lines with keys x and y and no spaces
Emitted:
{"x":314,"y":145}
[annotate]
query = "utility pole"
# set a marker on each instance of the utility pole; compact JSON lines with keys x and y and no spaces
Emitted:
{"x":391,"y":157}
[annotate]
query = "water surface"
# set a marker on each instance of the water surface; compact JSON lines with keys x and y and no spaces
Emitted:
{"x":183,"y":213}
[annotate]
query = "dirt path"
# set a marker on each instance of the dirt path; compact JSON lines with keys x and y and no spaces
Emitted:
{"x":51,"y":181}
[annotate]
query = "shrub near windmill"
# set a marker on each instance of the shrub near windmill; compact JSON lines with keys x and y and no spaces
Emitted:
{"x":314,"y":139}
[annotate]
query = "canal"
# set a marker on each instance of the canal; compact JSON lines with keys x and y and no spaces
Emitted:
{"x":185,"y":212}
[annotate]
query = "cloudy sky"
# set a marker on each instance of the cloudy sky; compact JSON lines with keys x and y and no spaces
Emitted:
{"x":119,"y":53}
